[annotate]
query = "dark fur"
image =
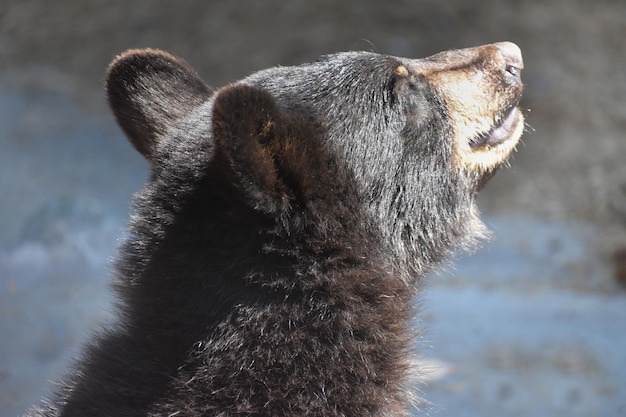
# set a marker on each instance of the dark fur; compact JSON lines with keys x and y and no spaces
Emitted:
{"x":275,"y":250}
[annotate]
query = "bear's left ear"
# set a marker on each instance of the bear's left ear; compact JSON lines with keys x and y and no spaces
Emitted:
{"x":149,"y":91}
{"x":255,"y":135}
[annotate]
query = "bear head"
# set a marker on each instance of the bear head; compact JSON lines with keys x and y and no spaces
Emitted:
{"x":354,"y":152}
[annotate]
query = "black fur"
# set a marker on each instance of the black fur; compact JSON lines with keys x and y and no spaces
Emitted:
{"x":275,"y":250}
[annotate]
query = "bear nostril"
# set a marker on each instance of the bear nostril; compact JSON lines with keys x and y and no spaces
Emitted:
{"x":513,"y":71}
{"x":512,"y":57}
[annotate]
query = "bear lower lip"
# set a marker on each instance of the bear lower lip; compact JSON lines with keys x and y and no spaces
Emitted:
{"x":500,"y":132}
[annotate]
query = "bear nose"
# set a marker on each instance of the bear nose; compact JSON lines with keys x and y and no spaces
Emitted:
{"x":512,"y":57}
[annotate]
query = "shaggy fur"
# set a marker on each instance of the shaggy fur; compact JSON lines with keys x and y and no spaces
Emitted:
{"x":273,"y":255}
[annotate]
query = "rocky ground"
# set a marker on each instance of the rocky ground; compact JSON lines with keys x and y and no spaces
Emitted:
{"x":530,"y":326}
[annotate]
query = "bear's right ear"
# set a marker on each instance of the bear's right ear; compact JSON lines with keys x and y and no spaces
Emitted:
{"x":149,"y":91}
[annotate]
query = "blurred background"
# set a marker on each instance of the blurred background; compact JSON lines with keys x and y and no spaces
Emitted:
{"x":534,"y":324}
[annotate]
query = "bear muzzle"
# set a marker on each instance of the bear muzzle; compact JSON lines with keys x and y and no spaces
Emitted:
{"x":481,"y":89}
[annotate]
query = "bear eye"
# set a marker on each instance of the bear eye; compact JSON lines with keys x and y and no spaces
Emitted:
{"x":416,"y":83}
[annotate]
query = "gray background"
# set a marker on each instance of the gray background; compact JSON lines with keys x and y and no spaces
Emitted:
{"x":532,"y":325}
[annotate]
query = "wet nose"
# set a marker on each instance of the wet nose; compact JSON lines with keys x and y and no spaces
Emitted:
{"x":512,"y":57}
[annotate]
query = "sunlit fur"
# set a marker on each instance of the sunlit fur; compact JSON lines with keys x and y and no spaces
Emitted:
{"x":273,"y":255}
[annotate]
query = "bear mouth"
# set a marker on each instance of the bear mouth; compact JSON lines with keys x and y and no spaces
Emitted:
{"x":500,"y":132}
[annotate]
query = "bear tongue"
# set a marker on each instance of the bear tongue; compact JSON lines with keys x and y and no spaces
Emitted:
{"x":499,"y":133}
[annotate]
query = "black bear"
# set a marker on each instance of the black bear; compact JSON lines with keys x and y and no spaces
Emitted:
{"x":273,"y":254}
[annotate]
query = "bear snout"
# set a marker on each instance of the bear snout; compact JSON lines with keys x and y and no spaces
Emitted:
{"x":481,"y":89}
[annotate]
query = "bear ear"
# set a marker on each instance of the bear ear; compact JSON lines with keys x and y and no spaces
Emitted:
{"x":149,"y":91}
{"x":252,"y":131}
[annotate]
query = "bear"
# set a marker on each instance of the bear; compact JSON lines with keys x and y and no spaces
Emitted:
{"x":274,"y":254}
